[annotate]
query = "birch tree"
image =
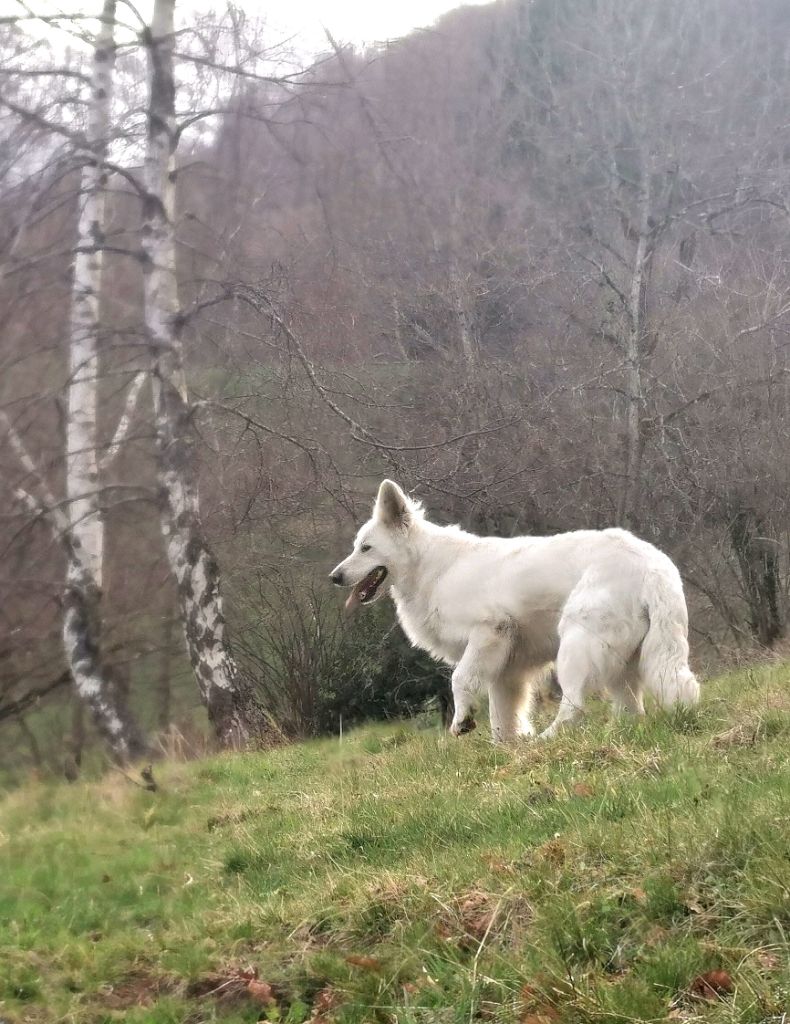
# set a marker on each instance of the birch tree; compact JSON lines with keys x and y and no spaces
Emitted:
{"x":234,"y":713}
{"x":80,"y":527}
{"x":82,"y":596}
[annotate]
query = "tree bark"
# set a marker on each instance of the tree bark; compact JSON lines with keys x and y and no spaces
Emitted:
{"x":85,"y":541}
{"x":627,"y":512}
{"x":233,"y":711}
{"x":758,"y":560}
{"x":82,"y":638}
{"x":165,"y":687}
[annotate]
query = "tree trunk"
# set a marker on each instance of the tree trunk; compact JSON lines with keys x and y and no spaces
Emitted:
{"x":165,"y":686}
{"x":82,"y":640}
{"x":634,"y":440}
{"x":758,"y":560}
{"x":85,"y":542}
{"x":77,"y":735}
{"x":460,"y":298}
{"x":233,"y":710}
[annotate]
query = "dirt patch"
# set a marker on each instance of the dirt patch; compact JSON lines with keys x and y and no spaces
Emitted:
{"x":230,"y":818}
{"x":137,"y":988}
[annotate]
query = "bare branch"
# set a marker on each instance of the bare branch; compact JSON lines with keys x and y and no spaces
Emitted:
{"x":125,"y":422}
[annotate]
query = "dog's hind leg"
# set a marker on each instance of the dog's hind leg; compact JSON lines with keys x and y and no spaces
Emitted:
{"x":480,"y":668}
{"x":626,"y":691}
{"x":588,"y":660}
{"x":509,"y":703}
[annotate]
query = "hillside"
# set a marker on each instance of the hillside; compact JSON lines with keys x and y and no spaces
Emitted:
{"x":404,"y":876}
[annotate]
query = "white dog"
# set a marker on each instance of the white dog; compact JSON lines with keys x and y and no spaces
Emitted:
{"x":606,"y":606}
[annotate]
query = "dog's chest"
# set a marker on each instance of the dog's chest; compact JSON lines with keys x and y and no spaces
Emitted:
{"x":425,"y":628}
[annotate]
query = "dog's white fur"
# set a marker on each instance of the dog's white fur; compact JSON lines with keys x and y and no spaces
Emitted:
{"x":607,"y":607}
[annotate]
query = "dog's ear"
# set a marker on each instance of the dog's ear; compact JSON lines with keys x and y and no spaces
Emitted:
{"x":392,"y":507}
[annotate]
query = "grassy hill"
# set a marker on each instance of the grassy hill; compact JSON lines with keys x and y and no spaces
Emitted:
{"x":402,"y":876}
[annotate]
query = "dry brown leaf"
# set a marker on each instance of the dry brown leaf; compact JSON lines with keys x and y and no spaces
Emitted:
{"x":656,"y":935}
{"x":498,"y":865}
{"x":476,"y":915}
{"x":553,"y":852}
{"x":712,"y":985}
{"x":545,"y":1015}
{"x":741,"y":735}
{"x":326,"y":1001}
{"x":478,"y":925}
{"x":768,"y":961}
{"x":369,"y":963}
{"x":541,"y":795}
{"x":537,"y":1004}
{"x":261,"y":992}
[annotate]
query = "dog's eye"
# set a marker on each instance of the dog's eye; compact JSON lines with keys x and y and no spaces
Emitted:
{"x":365,"y":547}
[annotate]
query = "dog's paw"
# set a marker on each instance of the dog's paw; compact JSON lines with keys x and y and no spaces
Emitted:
{"x":465,"y":725}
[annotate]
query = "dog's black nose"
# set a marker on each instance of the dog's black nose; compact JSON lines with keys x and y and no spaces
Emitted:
{"x":337,"y":578}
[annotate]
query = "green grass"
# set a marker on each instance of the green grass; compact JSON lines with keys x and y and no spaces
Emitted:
{"x":586,"y":880}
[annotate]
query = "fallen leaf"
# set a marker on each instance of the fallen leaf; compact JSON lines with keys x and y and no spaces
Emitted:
{"x":540,"y":795}
{"x":369,"y":963}
{"x":261,"y":992}
{"x":476,"y":915}
{"x":479,"y":925}
{"x":656,"y":935}
{"x":326,"y":1000}
{"x":712,"y":985}
{"x":546,"y":1015}
{"x":768,"y":961}
{"x":498,"y":865}
{"x":553,"y":851}
{"x":537,"y":1008}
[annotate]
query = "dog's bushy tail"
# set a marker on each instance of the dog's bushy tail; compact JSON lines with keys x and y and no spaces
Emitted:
{"x":664,"y":653}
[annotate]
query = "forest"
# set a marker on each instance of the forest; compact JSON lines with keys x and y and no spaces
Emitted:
{"x":532,"y":262}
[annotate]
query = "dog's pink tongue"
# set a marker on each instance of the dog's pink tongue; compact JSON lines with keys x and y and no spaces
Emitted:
{"x":353,"y":602}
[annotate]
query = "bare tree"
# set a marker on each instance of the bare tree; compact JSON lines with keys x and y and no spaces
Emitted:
{"x":233,"y":711}
{"x":80,"y":529}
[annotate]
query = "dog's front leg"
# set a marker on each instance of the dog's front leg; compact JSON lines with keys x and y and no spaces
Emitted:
{"x":463,"y":698}
{"x":483,"y":660}
{"x":466,"y":685}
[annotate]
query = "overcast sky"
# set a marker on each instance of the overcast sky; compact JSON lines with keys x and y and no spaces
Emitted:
{"x":356,"y":21}
{"x":350,"y":21}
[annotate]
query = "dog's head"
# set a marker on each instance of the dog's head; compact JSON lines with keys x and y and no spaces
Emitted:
{"x":377,"y":558}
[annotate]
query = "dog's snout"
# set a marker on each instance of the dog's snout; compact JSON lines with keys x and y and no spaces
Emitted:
{"x":336,"y":576}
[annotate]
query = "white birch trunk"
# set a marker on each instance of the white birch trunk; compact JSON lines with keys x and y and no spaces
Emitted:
{"x":84,"y":539}
{"x":459,"y":292}
{"x":459,"y":289}
{"x":234,"y":714}
{"x":635,"y":440}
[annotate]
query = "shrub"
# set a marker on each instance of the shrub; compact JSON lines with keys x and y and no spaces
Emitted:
{"x":314,"y":667}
